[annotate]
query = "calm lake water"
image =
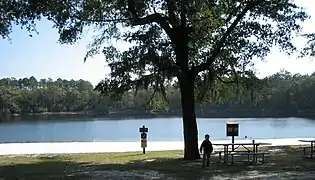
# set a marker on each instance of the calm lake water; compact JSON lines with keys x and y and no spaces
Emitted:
{"x":160,"y":129}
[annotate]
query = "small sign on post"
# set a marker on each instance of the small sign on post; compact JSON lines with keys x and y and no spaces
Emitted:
{"x":144,"y":137}
{"x":232,"y":130}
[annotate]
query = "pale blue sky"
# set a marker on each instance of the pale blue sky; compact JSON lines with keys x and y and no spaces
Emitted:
{"x":41,"y":56}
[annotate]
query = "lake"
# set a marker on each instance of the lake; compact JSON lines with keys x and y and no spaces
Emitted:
{"x":160,"y":129}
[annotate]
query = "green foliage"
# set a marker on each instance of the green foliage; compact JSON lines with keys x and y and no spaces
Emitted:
{"x":281,"y":92}
{"x":309,"y":50}
{"x":29,"y":95}
{"x":221,"y":37}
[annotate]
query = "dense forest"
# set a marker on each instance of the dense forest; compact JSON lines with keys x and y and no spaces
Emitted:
{"x":283,"y":95}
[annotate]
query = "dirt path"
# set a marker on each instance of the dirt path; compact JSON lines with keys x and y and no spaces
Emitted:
{"x":266,"y":176}
{"x":155,"y":175}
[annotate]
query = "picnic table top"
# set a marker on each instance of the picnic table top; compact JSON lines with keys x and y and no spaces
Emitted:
{"x":309,"y":141}
{"x":241,"y":144}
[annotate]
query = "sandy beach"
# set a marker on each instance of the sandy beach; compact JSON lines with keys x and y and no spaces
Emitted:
{"x":101,"y":147}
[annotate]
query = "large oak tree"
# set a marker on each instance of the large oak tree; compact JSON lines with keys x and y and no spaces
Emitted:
{"x":197,"y":42}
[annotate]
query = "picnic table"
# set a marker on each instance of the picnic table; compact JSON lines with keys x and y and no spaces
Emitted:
{"x":249,"y":152}
{"x":311,"y":147}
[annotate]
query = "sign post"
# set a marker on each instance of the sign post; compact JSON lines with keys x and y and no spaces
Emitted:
{"x":144,"y":138}
{"x":232,"y":130}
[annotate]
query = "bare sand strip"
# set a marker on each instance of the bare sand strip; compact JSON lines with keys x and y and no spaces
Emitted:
{"x":99,"y":147}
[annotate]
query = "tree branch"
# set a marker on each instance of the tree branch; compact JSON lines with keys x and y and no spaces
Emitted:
{"x":226,"y":71}
{"x":156,"y":17}
{"x":216,"y":50}
{"x":135,"y":20}
{"x":171,"y":12}
{"x":227,"y":20}
{"x":79,"y":17}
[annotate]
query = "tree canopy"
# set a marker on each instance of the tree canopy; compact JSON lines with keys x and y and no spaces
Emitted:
{"x":223,"y":36}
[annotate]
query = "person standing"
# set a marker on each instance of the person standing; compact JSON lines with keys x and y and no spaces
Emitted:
{"x":207,"y":148}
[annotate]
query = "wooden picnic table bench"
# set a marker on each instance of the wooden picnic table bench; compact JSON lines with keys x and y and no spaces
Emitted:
{"x":252,"y":157}
{"x":311,"y":147}
{"x":222,"y":152}
{"x":252,"y":154}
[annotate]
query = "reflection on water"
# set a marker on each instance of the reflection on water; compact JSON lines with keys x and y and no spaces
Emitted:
{"x":279,"y":123}
{"x":160,"y":129}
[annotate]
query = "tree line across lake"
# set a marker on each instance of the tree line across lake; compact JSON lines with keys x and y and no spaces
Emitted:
{"x":284,"y":94}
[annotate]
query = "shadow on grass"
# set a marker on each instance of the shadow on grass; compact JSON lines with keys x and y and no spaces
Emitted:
{"x":41,"y":170}
{"x":284,"y":161}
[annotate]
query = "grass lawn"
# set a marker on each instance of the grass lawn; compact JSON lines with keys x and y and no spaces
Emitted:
{"x":282,"y":163}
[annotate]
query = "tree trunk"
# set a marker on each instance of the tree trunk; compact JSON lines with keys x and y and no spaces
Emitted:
{"x":191,"y":151}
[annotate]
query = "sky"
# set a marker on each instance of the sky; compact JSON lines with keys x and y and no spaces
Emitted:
{"x":42,"y":56}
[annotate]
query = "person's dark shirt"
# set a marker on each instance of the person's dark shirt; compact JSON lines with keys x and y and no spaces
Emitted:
{"x":207,"y":146}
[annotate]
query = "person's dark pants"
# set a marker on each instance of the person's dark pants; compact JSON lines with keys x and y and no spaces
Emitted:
{"x":206,"y":158}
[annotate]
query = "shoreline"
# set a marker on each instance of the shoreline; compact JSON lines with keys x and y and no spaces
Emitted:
{"x":208,"y":113}
{"x":107,"y":147}
{"x":155,"y":141}
{"x":81,"y":116}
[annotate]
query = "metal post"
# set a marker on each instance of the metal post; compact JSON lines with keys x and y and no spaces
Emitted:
{"x":254,"y":148}
{"x":232,"y":143}
{"x":254,"y":151}
{"x":312,"y":150}
{"x":143,"y":136}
